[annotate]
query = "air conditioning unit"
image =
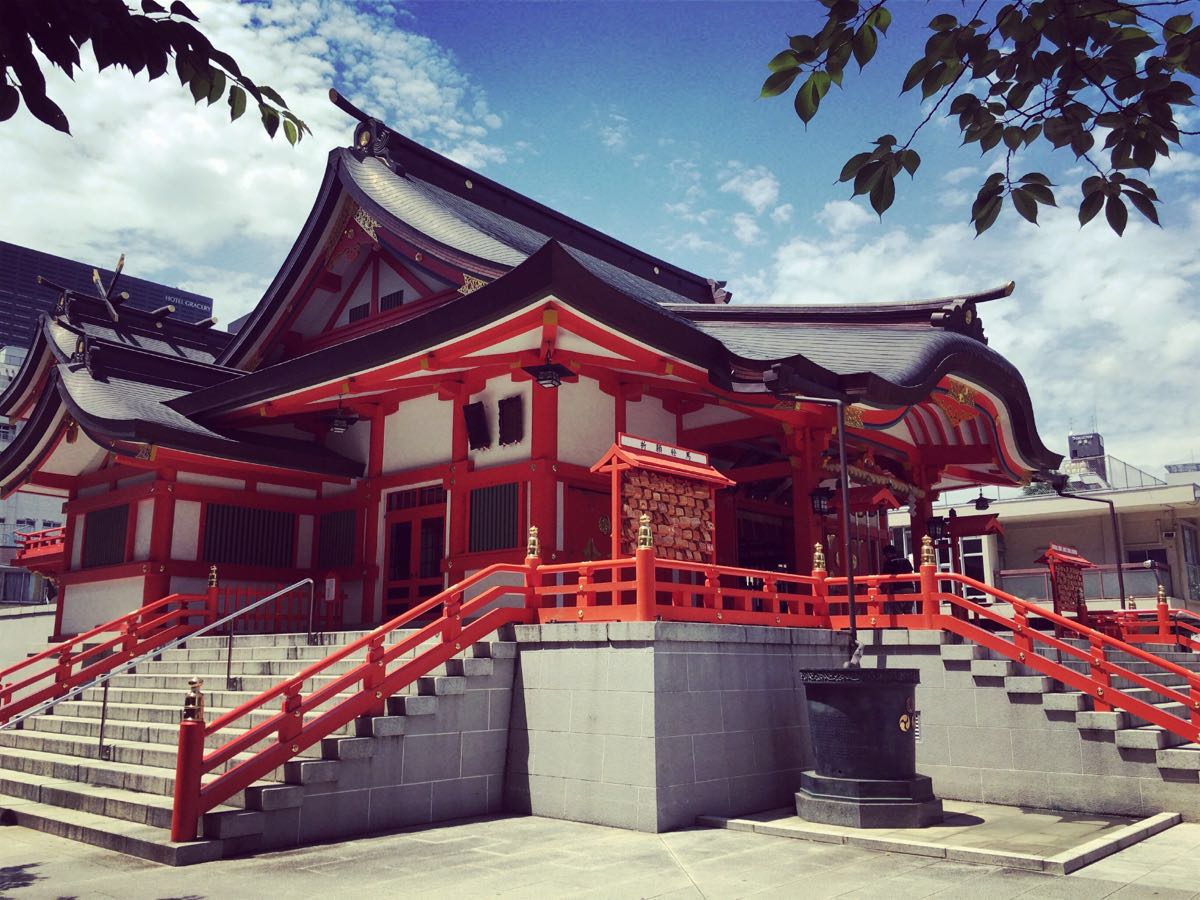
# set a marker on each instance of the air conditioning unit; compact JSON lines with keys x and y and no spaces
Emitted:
{"x":1168,"y":535}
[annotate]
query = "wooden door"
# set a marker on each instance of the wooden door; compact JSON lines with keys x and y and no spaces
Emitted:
{"x":587,"y":526}
{"x":414,"y":547}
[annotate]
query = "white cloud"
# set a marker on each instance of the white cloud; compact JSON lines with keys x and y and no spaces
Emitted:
{"x":177,"y":186}
{"x":745,"y":229}
{"x":615,"y":132}
{"x":1096,"y":321}
{"x":782,"y":214}
{"x":844,"y":216}
{"x":756,"y":185}
{"x":962,"y":173}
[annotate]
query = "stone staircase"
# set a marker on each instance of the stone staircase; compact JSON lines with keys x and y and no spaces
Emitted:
{"x":1104,"y":762}
{"x":56,"y":777}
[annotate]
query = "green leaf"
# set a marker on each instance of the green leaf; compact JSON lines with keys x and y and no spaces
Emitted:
{"x":1013,"y":136}
{"x":785,"y":59}
{"x":199,"y":86}
{"x":178,"y":8}
{"x":1024,"y":204}
{"x":217,"y":90}
{"x":867,"y":177}
{"x":910,"y":160}
{"x":237,"y":102}
{"x":853,"y":164}
{"x":885,"y":140}
{"x":915,"y":74}
{"x":272,"y":95}
{"x":149,"y":6}
{"x":1117,"y":214}
{"x":807,"y":101}
{"x":944,"y":22}
{"x":1143,"y":205}
{"x":865,"y":45}
{"x":821,"y":82}
{"x":1041,"y":194}
{"x":270,"y":119}
{"x":804,"y":46}
{"x":289,"y":131}
{"x":778,"y":82}
{"x":987,"y":215}
{"x":882,"y":18}
{"x":10,"y":99}
{"x":1177,"y":25}
{"x":883,"y":193}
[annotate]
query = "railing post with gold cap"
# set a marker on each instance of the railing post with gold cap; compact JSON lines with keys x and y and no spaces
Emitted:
{"x":644,"y":570}
{"x":820,"y":590}
{"x":533,"y":559}
{"x":186,"y":813}
{"x":211,"y":611}
{"x":1164,"y":617}
{"x":930,"y":606}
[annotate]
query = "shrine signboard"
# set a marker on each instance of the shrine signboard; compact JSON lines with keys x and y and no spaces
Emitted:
{"x":672,"y":485}
{"x":1066,"y":579}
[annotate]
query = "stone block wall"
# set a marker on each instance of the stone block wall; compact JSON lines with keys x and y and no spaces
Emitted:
{"x":647,"y":725}
{"x":681,"y":515}
{"x":981,"y":742}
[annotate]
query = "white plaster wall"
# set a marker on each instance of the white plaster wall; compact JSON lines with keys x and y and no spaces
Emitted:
{"x":135,"y":479}
{"x":233,"y":484}
{"x":352,"y":612}
{"x":648,"y":419}
{"x":418,"y":434}
{"x":354,"y":443}
{"x":494,"y":391}
{"x":287,"y":490}
{"x":88,"y":605}
{"x":586,"y":422}
{"x":185,"y":536}
{"x":304,"y":549}
{"x":1023,"y":543}
{"x":711,"y":414}
{"x":187,"y":585}
{"x":77,"y":542}
{"x":144,"y":525}
{"x":92,"y":490}
{"x":329,"y":489}
{"x":362,"y":294}
{"x":389,"y":281}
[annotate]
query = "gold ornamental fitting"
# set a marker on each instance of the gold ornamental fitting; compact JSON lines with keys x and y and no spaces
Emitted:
{"x":927,"y":556}
{"x":212,"y":576}
{"x":534,"y":546}
{"x":645,"y":535}
{"x":1162,"y":595}
{"x":818,"y":558}
{"x":193,"y":703}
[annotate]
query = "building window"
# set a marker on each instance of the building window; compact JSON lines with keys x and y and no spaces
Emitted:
{"x":47,"y":523}
{"x":243,"y":535}
{"x":104,"y":533}
{"x":391,"y":301}
{"x":494,"y":513}
{"x":360,"y":312}
{"x":430,"y":495}
{"x":512,"y":421}
{"x":335,"y":540}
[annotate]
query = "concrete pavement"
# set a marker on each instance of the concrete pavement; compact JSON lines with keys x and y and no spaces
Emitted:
{"x":544,"y":858}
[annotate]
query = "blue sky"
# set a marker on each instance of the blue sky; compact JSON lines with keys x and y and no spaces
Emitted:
{"x":641,"y":119}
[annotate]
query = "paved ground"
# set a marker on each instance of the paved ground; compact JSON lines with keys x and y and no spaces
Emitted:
{"x":545,"y":859}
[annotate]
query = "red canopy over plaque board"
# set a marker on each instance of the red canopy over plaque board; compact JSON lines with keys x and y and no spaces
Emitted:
{"x":1066,"y":578}
{"x":674,"y":486}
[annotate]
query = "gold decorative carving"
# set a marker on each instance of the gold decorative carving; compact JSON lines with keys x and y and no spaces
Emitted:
{"x":533,"y":546}
{"x":470,"y":284}
{"x":818,"y":558}
{"x":928,"y":558}
{"x":854,"y":416}
{"x":955,"y":410}
{"x":367,"y":223}
{"x":963,"y":393}
{"x":645,"y":538}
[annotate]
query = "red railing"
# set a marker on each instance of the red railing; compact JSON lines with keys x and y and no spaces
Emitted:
{"x":90,"y":655}
{"x":35,"y":547}
{"x":645,"y":588}
{"x":289,"y":613}
{"x":288,"y":733}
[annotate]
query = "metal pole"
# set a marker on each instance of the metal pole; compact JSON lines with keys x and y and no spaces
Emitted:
{"x":105,"y":752}
{"x":1116,"y":527}
{"x":312,"y":604}
{"x":846,"y":558}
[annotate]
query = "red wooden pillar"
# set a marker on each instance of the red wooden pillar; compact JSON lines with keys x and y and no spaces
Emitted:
{"x":372,"y":611}
{"x":458,"y":492}
{"x":157,"y":583}
{"x":543,"y":485}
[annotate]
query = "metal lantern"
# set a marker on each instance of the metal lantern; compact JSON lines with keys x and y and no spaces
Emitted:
{"x":935,"y":527}
{"x":821,"y":498}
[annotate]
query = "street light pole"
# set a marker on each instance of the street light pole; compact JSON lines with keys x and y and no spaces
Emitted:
{"x":1060,"y":488}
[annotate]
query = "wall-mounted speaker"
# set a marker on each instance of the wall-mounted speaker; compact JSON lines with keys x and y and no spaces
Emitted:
{"x":512,"y":420}
{"x":479,"y":436}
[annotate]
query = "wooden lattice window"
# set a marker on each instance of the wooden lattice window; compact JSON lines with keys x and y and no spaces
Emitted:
{"x":104,"y":533}
{"x":244,"y":535}
{"x":335,"y":539}
{"x":494,"y":517}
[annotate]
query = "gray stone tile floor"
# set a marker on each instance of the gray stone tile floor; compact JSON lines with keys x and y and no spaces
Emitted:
{"x":545,"y":858}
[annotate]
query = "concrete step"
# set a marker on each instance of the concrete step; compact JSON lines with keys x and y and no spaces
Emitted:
{"x":1149,"y":737}
{"x":329,"y":639}
{"x":1185,"y":757}
{"x":143,"y":841}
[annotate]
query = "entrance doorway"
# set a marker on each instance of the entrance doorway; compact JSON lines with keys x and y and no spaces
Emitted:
{"x":764,"y":541}
{"x":415,"y":536}
{"x":587,"y":525}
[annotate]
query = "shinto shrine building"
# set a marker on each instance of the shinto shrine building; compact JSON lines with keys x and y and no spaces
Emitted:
{"x":439,"y":363}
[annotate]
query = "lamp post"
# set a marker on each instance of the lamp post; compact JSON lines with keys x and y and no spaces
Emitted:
{"x":1060,"y":487}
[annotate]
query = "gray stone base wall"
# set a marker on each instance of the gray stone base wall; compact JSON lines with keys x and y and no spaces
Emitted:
{"x":979,"y":742}
{"x":647,"y":725}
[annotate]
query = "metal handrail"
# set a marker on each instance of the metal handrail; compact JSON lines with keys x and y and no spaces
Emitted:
{"x":125,"y":667}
